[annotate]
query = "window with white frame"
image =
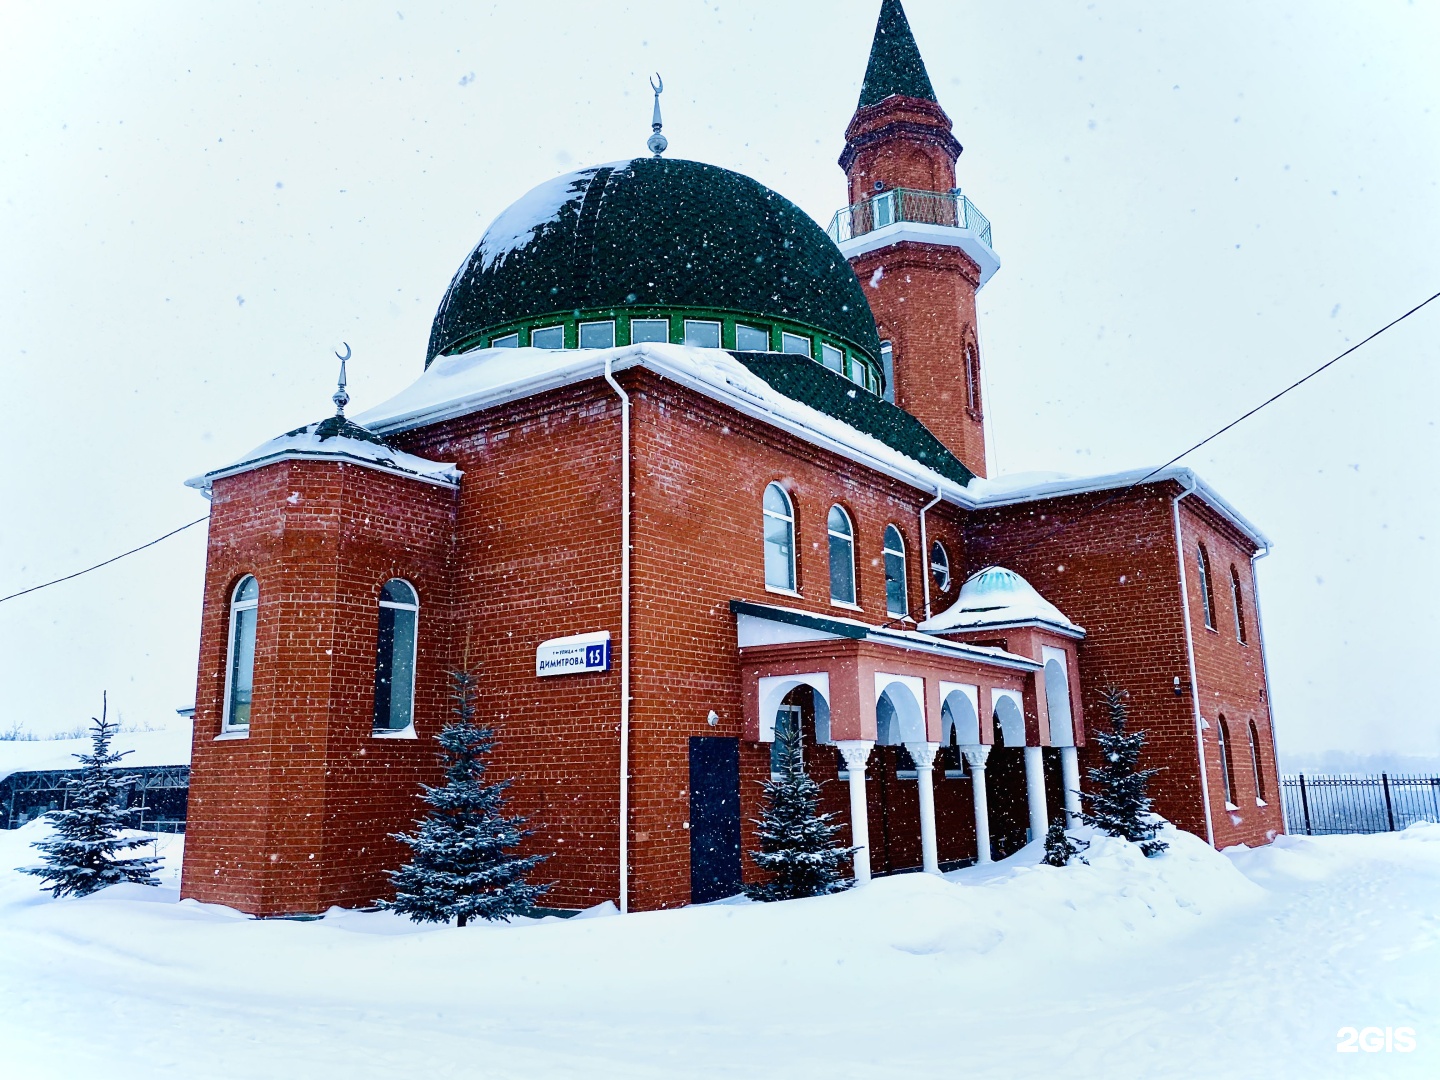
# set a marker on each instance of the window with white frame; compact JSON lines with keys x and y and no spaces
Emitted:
{"x":1255,"y":763}
{"x":897,"y":599}
{"x":1238,"y":595}
{"x":842,"y":556}
{"x":779,"y":517}
{"x":887,"y":367}
{"x":597,"y":335}
{"x":240,"y":655}
{"x":939,"y":566}
{"x":1207,"y":596}
{"x":794,"y":343}
{"x":1227,"y":772}
{"x":395,"y":651}
{"x":702,"y":333}
{"x":832,"y":358}
{"x":751,"y":338}
{"x":548,"y":337}
{"x":506,"y":341}
{"x":649,"y":330}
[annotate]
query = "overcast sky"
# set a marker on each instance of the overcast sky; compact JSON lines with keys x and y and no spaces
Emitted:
{"x":1194,"y":205}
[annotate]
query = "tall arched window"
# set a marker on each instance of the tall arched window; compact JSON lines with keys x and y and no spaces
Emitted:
{"x":1255,"y":762}
{"x":897,"y":600}
{"x":1239,"y":596}
{"x":779,"y":539}
{"x":972,"y":379}
{"x":842,"y":556}
{"x":1207,"y":598}
{"x":395,"y":657}
{"x":240,"y":655}
{"x":939,"y":566}
{"x":1226,"y":771}
{"x":887,"y":367}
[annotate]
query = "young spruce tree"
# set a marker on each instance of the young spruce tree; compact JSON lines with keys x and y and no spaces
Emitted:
{"x":1061,"y":847}
{"x":1118,"y":803}
{"x":797,"y":844}
{"x":460,"y":864}
{"x":87,"y":852}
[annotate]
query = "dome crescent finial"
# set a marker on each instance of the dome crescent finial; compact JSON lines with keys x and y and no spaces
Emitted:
{"x":657,"y":142}
{"x":341,"y":397}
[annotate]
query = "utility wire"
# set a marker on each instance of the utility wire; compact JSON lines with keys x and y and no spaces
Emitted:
{"x":1098,"y":506}
{"x":107,"y":562}
{"x":1045,"y":535}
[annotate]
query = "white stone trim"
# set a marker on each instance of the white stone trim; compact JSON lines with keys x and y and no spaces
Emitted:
{"x":773,"y":689}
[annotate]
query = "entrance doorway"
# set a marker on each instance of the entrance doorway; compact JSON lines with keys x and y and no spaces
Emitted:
{"x":714,"y":818}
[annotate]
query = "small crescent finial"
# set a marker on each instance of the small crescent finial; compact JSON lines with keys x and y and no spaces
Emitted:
{"x":341,"y":397}
{"x":657,"y":142}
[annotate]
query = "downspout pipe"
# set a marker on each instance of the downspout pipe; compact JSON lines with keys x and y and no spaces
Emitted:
{"x":1265,"y":659}
{"x":925,"y":548}
{"x":624,"y":635}
{"x":1190,"y":656}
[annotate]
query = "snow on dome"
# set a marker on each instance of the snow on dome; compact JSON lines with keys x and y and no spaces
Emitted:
{"x":518,"y":224}
{"x":996,"y":596}
{"x":336,"y":439}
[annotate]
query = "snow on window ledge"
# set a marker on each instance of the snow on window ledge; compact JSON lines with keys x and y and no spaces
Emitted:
{"x":1261,"y":802}
{"x":403,"y":733}
{"x":846,"y":605}
{"x":1231,"y":806}
{"x":783,"y":592}
{"x":240,"y":733}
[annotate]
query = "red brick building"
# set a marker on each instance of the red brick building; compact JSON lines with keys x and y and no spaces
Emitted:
{"x":679,"y":463}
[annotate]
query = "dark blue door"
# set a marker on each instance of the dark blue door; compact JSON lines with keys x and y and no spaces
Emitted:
{"x":714,"y":819}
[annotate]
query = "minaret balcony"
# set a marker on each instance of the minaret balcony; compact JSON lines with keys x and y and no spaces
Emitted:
{"x":945,"y":218}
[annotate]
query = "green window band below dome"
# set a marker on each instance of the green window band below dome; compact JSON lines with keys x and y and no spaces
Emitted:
{"x":654,"y":235}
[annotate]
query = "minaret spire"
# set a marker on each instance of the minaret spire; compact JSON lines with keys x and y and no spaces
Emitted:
{"x":657,"y":142}
{"x":895,"y":65}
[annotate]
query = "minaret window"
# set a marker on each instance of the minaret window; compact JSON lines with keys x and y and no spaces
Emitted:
{"x":702,"y":333}
{"x":395,"y":651}
{"x":897,"y":598}
{"x":505,"y":341}
{"x":779,"y":518}
{"x":549,"y":337}
{"x":972,"y":380}
{"x":1207,"y":598}
{"x":1239,"y":595}
{"x":751,"y":338}
{"x":597,"y":335}
{"x":240,"y":655}
{"x":649,"y":330}
{"x":939,"y":566}
{"x":842,"y":556}
{"x":794,"y":343}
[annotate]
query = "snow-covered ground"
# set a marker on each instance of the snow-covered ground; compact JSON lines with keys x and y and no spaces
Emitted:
{"x":1196,"y":964}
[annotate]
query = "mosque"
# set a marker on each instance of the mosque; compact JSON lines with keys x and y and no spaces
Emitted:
{"x":681,"y":462}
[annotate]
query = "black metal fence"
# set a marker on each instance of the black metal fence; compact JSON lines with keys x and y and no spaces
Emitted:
{"x":1321,"y":805}
{"x":161,"y":792}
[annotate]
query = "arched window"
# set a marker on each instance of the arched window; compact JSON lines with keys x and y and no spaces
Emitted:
{"x":887,"y":368}
{"x":1207,"y":598}
{"x":779,"y":539}
{"x":939,"y":566}
{"x":1226,"y":772}
{"x":240,"y":655}
{"x":395,"y":657}
{"x":897,"y":600}
{"x":972,"y":379}
{"x":842,"y":556}
{"x":1239,"y":596}
{"x":1255,"y":762}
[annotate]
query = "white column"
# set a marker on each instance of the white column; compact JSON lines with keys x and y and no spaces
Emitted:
{"x":924,"y":755}
{"x":975,"y":757}
{"x":1035,"y":792}
{"x":856,"y":752}
{"x":1070,"y":778}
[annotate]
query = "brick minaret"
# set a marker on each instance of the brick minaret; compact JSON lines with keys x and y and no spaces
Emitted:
{"x":920,"y":250}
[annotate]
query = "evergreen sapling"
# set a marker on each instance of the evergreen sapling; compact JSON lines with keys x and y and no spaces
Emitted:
{"x":88,"y":852}
{"x":460,"y":867}
{"x":1061,"y":847}
{"x":797,"y":844}
{"x":1118,"y":803}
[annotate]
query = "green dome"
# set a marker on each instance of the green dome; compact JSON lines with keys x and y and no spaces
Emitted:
{"x":654,"y":233}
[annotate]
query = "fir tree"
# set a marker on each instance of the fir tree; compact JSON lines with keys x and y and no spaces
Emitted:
{"x":1061,"y":847}
{"x":460,"y":867}
{"x":87,"y":852}
{"x":1118,"y":803}
{"x":797,"y":844}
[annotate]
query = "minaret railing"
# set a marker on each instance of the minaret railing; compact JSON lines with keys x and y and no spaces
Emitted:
{"x":949,"y":209}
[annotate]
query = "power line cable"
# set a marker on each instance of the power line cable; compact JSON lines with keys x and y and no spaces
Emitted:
{"x":107,"y":562}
